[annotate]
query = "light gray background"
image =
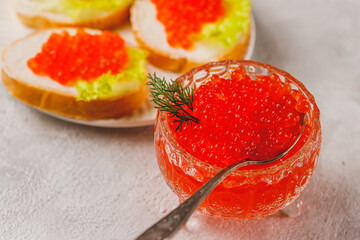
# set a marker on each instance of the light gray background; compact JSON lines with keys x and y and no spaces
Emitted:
{"x":64,"y":181}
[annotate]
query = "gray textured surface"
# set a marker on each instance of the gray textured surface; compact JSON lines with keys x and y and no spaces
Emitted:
{"x":64,"y":181}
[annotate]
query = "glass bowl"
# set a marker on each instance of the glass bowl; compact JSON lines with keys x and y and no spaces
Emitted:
{"x":250,"y":192}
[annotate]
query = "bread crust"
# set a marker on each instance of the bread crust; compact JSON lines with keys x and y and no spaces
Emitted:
{"x":167,"y":62}
{"x":69,"y":106}
{"x":111,"y":21}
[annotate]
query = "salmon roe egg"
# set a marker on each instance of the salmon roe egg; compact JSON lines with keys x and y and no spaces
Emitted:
{"x":67,"y":58}
{"x":184,"y":18}
{"x":242,"y":118}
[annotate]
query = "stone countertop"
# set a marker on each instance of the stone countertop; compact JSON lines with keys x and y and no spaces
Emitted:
{"x":60,"y":180}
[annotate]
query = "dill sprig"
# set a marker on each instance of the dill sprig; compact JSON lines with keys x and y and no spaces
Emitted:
{"x":172,"y":97}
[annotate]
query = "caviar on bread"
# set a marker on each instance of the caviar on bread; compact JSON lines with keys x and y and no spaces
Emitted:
{"x":191,"y":32}
{"x":78,"y":73}
{"x":97,"y":14}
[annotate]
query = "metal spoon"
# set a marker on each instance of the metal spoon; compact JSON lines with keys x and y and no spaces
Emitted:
{"x":171,"y":223}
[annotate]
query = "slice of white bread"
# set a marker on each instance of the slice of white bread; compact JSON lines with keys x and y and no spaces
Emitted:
{"x":151,"y":35}
{"x":31,"y":15}
{"x":47,"y":94}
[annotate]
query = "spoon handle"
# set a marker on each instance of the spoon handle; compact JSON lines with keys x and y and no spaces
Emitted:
{"x":172,"y":222}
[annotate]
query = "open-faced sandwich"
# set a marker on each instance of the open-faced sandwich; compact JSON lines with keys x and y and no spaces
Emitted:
{"x":78,"y":73}
{"x":185,"y":33}
{"x":99,"y":14}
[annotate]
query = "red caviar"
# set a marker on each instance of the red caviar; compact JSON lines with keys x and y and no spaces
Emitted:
{"x":234,"y":111}
{"x":184,"y":18}
{"x":83,"y":56}
{"x":242,"y":118}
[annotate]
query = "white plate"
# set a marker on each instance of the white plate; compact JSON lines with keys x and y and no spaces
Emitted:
{"x":145,"y":116}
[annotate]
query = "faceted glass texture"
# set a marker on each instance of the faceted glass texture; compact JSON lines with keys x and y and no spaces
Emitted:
{"x":250,"y":192}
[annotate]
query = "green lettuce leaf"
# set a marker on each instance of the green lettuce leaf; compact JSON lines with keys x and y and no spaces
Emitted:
{"x":236,"y":22}
{"x":80,"y":9}
{"x":108,"y":85}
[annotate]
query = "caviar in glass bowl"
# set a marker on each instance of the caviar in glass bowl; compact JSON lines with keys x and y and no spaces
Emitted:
{"x":263,"y":115}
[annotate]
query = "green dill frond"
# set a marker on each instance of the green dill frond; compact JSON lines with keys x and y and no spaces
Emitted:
{"x":171,"y":97}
